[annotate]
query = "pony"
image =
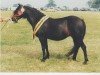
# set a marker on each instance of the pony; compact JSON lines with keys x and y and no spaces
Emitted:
{"x":54,"y":29}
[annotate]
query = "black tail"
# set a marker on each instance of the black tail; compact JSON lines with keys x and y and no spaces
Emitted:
{"x":84,"y":30}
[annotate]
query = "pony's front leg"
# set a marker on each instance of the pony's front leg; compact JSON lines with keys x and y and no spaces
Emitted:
{"x":44,"y":46}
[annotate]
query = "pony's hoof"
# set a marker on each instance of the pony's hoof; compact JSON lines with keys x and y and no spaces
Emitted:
{"x":66,"y":55}
{"x":74,"y":59}
{"x":85,"y":63}
{"x":48,"y":57}
{"x":42,"y":60}
{"x":69,"y":58}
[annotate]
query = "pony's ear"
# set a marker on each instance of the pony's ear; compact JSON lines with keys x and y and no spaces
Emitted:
{"x":20,"y":5}
{"x":21,"y":8}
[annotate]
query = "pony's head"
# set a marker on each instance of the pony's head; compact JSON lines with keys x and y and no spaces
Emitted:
{"x":18,"y":13}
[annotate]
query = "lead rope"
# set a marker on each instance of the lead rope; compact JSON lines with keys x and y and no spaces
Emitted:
{"x":38,"y":25}
{"x":5,"y":24}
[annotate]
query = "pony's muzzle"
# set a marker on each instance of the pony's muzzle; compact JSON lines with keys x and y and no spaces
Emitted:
{"x":14,"y":19}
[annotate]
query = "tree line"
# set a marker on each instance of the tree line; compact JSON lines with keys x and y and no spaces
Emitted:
{"x":95,"y":4}
{"x":91,"y":3}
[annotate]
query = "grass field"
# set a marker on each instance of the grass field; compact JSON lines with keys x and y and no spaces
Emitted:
{"x":20,"y":53}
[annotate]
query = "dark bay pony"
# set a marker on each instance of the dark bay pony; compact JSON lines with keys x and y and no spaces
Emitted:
{"x":55,"y":29}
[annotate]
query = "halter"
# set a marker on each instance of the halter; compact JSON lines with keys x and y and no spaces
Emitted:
{"x":38,"y":25}
{"x":20,"y":12}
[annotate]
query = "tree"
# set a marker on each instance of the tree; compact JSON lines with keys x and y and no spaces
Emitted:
{"x":90,"y":3}
{"x":51,"y":4}
{"x":75,"y":8}
{"x":65,"y":7}
{"x":94,"y":4}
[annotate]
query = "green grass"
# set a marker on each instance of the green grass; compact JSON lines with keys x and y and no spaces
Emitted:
{"x":20,"y":53}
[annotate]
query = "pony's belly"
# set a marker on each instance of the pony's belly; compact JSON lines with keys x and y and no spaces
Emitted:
{"x":57,"y":37}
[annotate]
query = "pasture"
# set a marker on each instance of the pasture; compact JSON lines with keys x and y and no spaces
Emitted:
{"x":20,"y":53}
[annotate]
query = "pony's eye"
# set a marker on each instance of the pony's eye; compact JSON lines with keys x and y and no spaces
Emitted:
{"x":16,"y":13}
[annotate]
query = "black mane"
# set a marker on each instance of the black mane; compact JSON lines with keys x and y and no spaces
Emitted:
{"x":33,"y":15}
{"x":34,"y":11}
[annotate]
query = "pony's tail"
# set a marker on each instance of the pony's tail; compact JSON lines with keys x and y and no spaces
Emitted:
{"x":84,"y":30}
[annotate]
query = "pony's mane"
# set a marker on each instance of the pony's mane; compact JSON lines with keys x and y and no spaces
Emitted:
{"x":34,"y":10}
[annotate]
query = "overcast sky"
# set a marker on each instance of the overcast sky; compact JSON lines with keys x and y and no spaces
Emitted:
{"x":41,"y":3}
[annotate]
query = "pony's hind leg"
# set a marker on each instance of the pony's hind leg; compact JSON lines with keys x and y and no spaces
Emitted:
{"x":79,"y":43}
{"x":75,"y":51}
{"x":70,"y":53}
{"x":83,"y":46}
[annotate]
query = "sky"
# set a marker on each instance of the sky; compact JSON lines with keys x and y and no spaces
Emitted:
{"x":41,"y":3}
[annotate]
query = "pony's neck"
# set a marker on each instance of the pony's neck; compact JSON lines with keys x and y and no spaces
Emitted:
{"x":33,"y":16}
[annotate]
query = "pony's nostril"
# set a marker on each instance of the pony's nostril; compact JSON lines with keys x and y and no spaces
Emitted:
{"x":13,"y":19}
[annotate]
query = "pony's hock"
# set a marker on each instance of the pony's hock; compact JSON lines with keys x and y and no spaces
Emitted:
{"x":54,"y":29}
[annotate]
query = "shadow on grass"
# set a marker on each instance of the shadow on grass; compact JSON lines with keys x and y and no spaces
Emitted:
{"x":38,"y":55}
{"x":28,"y":54}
